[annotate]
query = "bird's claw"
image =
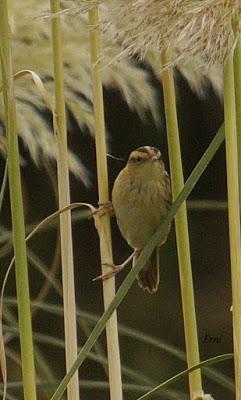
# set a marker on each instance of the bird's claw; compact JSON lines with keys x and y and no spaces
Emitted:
{"x":104,"y":208}
{"x":114,"y":270}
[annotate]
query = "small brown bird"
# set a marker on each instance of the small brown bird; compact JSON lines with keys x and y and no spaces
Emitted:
{"x":141,"y":197}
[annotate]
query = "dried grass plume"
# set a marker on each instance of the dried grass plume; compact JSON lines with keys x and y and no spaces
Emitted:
{"x":198,"y":33}
{"x":31,"y":49}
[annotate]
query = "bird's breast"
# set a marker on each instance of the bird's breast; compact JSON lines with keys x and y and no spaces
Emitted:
{"x":139,"y":208}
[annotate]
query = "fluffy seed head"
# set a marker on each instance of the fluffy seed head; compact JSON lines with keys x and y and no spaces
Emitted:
{"x":206,"y":29}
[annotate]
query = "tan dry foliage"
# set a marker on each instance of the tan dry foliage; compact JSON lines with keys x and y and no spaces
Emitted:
{"x":31,"y":49}
{"x":198,"y":33}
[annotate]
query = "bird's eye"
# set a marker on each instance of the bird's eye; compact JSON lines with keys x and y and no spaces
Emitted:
{"x":136,"y":159}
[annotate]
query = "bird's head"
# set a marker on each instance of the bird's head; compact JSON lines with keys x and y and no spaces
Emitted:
{"x":145,"y":161}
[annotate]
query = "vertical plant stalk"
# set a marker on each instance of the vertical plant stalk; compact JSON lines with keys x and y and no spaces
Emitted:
{"x":70,"y":326}
{"x":233,"y":211}
{"x":182,"y":235}
{"x":104,"y":225}
{"x":17,"y":214}
{"x":237,"y":77}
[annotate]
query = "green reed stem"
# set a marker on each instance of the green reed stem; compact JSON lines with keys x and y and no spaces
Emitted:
{"x":237,"y":78}
{"x":70,"y":325}
{"x":182,"y":235}
{"x":16,"y":200}
{"x":103,"y":227}
{"x":233,"y":211}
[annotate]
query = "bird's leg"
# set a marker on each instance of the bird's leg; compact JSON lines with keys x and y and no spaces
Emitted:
{"x":114,"y":268}
{"x":104,"y":208}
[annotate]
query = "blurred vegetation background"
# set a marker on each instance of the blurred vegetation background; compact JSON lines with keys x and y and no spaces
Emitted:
{"x":159,"y":315}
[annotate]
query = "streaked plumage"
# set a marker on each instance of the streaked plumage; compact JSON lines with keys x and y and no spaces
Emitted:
{"x":141,"y":197}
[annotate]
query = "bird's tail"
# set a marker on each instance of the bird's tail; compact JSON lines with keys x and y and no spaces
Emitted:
{"x":148,"y":278}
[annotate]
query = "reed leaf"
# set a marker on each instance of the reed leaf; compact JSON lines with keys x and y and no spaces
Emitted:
{"x":210,"y":361}
{"x":147,"y":251}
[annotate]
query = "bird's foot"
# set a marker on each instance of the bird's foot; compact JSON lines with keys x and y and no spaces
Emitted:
{"x":104,"y":208}
{"x":114,"y":269}
{"x":106,"y":275}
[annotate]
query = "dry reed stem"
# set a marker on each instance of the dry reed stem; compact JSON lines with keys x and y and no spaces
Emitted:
{"x":104,"y":223}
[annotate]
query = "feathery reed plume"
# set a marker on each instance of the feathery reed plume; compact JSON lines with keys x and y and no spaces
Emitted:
{"x":31,"y":50}
{"x":187,"y":27}
{"x":147,"y":28}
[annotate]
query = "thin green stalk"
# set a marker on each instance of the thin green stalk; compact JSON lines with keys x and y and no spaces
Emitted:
{"x":144,"y":256}
{"x":233,"y":212}
{"x":70,"y":325}
{"x":4,"y":184}
{"x":21,"y":267}
{"x":182,"y":235}
{"x":173,"y":379}
{"x":104,"y":224}
{"x":237,"y":78}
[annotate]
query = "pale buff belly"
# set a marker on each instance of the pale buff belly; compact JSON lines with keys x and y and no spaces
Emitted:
{"x":139,"y":213}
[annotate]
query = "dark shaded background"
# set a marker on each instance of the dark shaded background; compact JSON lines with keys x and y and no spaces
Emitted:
{"x":159,"y":315}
